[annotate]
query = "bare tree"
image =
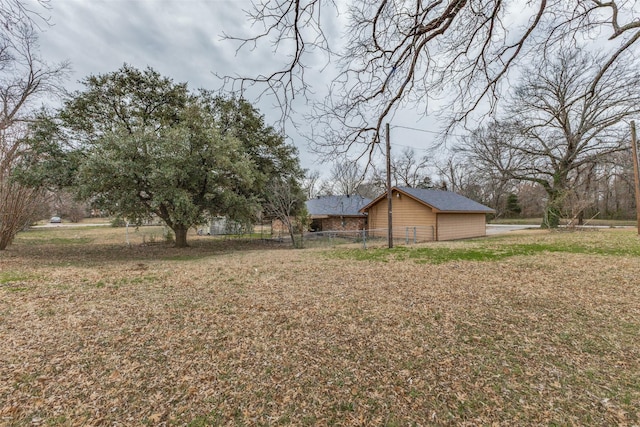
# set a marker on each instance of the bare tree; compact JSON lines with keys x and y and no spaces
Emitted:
{"x":488,"y":160}
{"x":473,"y":178}
{"x":24,"y":81}
{"x":17,"y":13}
{"x":606,"y":187}
{"x":18,"y":203}
{"x":561,"y":124}
{"x":285,"y":202}
{"x":346,"y":177}
{"x":412,"y":52}
{"x":64,"y":205}
{"x":453,"y":172}
{"x":372,"y":186}
{"x":311,"y":183}
{"x":531,"y":197}
{"x":349,"y":178}
{"x":409,"y":170}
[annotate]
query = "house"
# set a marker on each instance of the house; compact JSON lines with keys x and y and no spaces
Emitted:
{"x":424,"y":215}
{"x":337,"y":213}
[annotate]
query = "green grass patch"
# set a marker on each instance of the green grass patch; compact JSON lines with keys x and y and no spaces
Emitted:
{"x":501,"y":247}
{"x":18,"y":289}
{"x":7,"y":277}
{"x":68,"y":241}
{"x":212,"y":419}
{"x":39,"y":239}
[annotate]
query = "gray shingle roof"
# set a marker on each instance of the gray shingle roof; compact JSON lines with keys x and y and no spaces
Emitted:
{"x":337,"y":205}
{"x":445,"y":201}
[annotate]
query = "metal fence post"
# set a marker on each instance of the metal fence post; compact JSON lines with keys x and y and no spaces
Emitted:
{"x":415,"y":235}
{"x":406,"y":236}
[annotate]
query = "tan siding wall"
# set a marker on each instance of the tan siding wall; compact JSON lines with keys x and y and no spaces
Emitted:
{"x":406,"y":213}
{"x":460,"y":226}
{"x":410,"y":213}
{"x":378,"y":216}
{"x":377,"y":219}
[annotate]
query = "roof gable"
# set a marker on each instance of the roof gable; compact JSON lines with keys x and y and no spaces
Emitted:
{"x":439,"y":200}
{"x":445,"y":201}
{"x":337,"y":205}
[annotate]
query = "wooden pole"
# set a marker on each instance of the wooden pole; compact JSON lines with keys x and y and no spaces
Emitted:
{"x":389,"y":195}
{"x":636,"y":173}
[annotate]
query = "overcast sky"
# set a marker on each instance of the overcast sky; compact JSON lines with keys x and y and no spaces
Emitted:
{"x":181,"y":39}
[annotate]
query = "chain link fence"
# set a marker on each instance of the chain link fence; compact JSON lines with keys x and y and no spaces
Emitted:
{"x":373,"y":237}
{"x":366,"y":238}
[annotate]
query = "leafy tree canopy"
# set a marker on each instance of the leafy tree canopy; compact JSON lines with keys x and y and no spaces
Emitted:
{"x":144,"y":145}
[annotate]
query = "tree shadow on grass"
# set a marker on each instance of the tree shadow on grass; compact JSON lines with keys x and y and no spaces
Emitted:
{"x":86,"y":253}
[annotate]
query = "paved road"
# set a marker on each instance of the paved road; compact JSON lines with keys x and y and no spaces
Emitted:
{"x":70,"y":224}
{"x":505,"y":228}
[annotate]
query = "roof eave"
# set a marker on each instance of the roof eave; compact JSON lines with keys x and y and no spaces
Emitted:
{"x":459,"y":211}
{"x":422,"y":202}
{"x":417,"y":199}
{"x":325,"y":216}
{"x":384,"y":195}
{"x":373,"y":202}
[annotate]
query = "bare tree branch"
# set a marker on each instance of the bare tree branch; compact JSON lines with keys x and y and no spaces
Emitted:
{"x":398,"y":54}
{"x":25,"y":81}
{"x":296,"y":26}
{"x":16,"y":13}
{"x":557,"y":127}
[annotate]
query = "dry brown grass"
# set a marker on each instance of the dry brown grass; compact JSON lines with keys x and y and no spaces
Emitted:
{"x":95,"y":333}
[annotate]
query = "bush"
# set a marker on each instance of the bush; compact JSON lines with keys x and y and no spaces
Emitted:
{"x":118,"y":222}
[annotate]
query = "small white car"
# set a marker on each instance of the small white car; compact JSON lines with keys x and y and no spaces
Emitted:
{"x":55,"y":220}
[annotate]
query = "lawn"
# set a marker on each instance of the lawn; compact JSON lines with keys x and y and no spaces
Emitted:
{"x":535,"y":328}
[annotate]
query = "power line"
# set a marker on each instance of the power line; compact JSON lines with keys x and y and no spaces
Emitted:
{"x":395,"y":144}
{"x":412,"y":147}
{"x":433,"y":147}
{"x":425,"y":130}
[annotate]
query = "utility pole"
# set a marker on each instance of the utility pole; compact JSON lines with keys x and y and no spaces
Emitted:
{"x":636,"y":173}
{"x":389,"y":198}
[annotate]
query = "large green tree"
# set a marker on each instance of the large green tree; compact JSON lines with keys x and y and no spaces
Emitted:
{"x":150,"y":147}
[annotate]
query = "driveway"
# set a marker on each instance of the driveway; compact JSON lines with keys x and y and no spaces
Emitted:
{"x":70,"y":224}
{"x":493,"y":229}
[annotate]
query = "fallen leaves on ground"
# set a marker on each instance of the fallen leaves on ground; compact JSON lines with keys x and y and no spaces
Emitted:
{"x":263,"y":336}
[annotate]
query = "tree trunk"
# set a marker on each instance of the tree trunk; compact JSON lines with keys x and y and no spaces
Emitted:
{"x":553,"y":210}
{"x":292,"y":234}
{"x":5,"y":239}
{"x":301,"y":239}
{"x":551,"y":217}
{"x":292,"y":228}
{"x":181,"y":236}
{"x":556,"y":193}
